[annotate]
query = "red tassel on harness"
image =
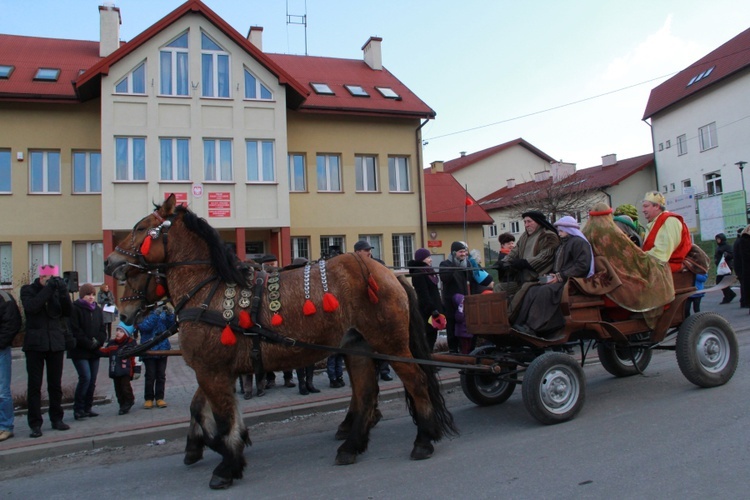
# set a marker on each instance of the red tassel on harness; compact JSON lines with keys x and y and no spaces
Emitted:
{"x":373,"y":296}
{"x":146,"y":245}
{"x":373,"y":284}
{"x":160,"y":290}
{"x":276,"y":319}
{"x":227,"y":336}
{"x":244,"y":320}
{"x":330,"y":302}
{"x":309,"y":308}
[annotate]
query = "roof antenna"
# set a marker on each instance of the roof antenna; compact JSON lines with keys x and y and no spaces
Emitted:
{"x":297,"y":19}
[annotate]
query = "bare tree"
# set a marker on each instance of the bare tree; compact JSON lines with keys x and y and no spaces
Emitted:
{"x":570,"y":196}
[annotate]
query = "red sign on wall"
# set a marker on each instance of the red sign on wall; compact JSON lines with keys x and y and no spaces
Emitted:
{"x":435,"y":243}
{"x":219,"y":204}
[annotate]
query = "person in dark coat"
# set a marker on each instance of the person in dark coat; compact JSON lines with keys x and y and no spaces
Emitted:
{"x":540,"y":312}
{"x":10,"y":325}
{"x":105,"y":298}
{"x":745,"y":258}
{"x":738,"y":270}
{"x":457,"y":277}
{"x":424,"y":279}
{"x":87,"y":326}
{"x":724,"y":250}
{"x":160,"y":320}
{"x":47,"y":306}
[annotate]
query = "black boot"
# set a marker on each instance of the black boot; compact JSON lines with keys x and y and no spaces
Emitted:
{"x":301,"y":379}
{"x":309,"y":372}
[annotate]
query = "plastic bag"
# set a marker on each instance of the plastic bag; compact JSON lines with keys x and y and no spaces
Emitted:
{"x":723,"y":268}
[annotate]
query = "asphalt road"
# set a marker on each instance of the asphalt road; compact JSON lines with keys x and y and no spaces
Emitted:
{"x":653,"y":436}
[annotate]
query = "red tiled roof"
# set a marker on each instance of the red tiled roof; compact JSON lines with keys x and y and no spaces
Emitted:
{"x":445,"y":201}
{"x":339,"y":72}
{"x":726,"y":60}
{"x":465,"y":161}
{"x":28,"y":54}
{"x":588,"y":178}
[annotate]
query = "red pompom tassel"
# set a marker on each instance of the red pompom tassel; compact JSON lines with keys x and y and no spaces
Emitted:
{"x":146,"y":245}
{"x":309,"y":308}
{"x":276,"y":319}
{"x":160,"y":290}
{"x":373,"y":296}
{"x":227,"y":336}
{"x":244,"y":320}
{"x":330,"y":302}
{"x":373,"y":284}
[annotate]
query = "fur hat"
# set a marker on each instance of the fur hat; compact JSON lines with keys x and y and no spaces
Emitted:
{"x":458,"y":245}
{"x":49,"y":270}
{"x":656,"y":198}
{"x":86,"y":289}
{"x":421,"y":254}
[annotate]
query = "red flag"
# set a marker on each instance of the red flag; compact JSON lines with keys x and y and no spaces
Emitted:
{"x":469,"y":202}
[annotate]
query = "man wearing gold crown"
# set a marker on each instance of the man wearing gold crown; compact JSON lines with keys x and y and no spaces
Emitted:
{"x":667,"y":236}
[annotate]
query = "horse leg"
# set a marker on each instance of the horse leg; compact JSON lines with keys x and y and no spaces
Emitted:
{"x":195,"y":442}
{"x":222,"y":427}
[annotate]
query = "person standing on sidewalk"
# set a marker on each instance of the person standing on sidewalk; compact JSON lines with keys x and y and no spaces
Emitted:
{"x":105,"y":298}
{"x":159,"y":320}
{"x":723,"y":250}
{"x":48,"y":307}
{"x":121,"y":369}
{"x":738,"y":270}
{"x":10,"y":325}
{"x":87,"y":326}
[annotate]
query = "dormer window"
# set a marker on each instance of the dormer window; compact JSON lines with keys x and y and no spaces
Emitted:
{"x":47,"y":74}
{"x":322,"y":88}
{"x":357,"y":91}
{"x":6,"y":71}
{"x":388,"y":93}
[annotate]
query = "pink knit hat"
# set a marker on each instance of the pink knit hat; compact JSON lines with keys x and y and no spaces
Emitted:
{"x":49,"y":270}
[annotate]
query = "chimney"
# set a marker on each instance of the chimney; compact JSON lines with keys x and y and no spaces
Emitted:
{"x":255,"y":36}
{"x":511,"y":183}
{"x":608,"y":160}
{"x":560,"y":170}
{"x":542,"y":176}
{"x":462,"y":153}
{"x":109,"y":28}
{"x":373,"y":57}
{"x":436,"y":167}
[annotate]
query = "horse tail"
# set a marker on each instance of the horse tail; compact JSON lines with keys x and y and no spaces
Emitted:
{"x":420,"y":350}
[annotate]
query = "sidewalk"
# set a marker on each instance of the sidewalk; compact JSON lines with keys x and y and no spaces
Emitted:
{"x":142,"y":426}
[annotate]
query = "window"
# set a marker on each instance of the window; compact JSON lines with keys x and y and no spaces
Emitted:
{"x":492,"y":231}
{"x":214,"y":68}
{"x":713,"y":183}
{"x":260,"y":163}
{"x":661,"y":146}
{"x":681,"y":145}
{"x":173,"y":63}
{"x":701,"y":76}
{"x":6,"y":264}
{"x":130,"y":158}
{"x":671,"y":187}
{"x":398,"y":174}
{"x":321,"y":88}
{"x":175,"y":159}
{"x":5,"y":178}
{"x":47,"y":74}
{"x":515,"y":227}
{"x":365,"y":169}
{"x":43,"y":253}
{"x":664,"y":188}
{"x":686,"y":184}
{"x":708,"y":136}
{"x":357,"y":90}
{"x":331,"y":246}
{"x":403,"y":249}
{"x":375,"y":242}
{"x":254,"y":89}
{"x":87,"y":172}
{"x":87,"y":261}
{"x":217,"y":159}
{"x":668,"y":144}
{"x":388,"y":93}
{"x":329,"y":173}
{"x":297,"y":178}
{"x":44,"y":176}
{"x":6,"y":71}
{"x":301,"y":248}
{"x":134,"y":82}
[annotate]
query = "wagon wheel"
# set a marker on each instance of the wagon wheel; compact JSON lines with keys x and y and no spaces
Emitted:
{"x":487,"y":389}
{"x":554,"y":388}
{"x":707,"y":349}
{"x":618,"y":360}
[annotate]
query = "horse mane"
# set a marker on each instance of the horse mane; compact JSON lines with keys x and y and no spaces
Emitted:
{"x":226,"y":263}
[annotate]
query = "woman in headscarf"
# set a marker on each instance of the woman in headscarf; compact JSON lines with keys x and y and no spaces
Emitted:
{"x":540,"y":312}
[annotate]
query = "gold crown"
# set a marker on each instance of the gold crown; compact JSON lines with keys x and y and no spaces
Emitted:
{"x":656,"y":197}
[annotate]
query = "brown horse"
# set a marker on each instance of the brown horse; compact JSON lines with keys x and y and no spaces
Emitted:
{"x":350,"y":302}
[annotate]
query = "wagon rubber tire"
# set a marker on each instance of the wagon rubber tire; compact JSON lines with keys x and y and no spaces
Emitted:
{"x":486,"y":389}
{"x":554,"y":388}
{"x":707,"y":349}
{"x":617,"y":359}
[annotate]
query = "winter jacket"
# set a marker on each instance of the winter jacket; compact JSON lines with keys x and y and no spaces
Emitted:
{"x":723,"y":250}
{"x":428,"y":294}
{"x":10,"y":319}
{"x":153,"y":325}
{"x":119,"y":367}
{"x":47,"y":311}
{"x":87,"y":326}
{"x":738,"y":269}
{"x":106,"y":299}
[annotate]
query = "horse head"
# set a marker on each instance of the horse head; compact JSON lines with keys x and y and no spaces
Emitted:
{"x":142,"y":292}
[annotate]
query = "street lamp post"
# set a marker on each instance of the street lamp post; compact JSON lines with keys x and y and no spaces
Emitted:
{"x":741,"y":166}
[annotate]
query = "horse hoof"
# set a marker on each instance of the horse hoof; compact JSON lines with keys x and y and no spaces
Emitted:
{"x":345,"y":458}
{"x":341,"y":434}
{"x":192,"y":457}
{"x":220,"y":483}
{"x":422,"y":452}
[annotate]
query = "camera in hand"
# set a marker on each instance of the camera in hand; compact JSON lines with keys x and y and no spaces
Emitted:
{"x":544,"y":279}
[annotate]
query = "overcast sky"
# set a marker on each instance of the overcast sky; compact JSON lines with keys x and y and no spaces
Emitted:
{"x":483,"y":66}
